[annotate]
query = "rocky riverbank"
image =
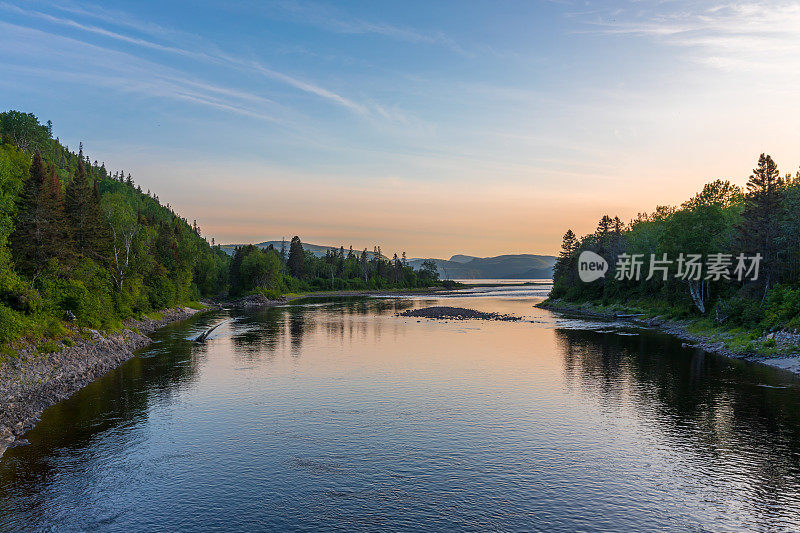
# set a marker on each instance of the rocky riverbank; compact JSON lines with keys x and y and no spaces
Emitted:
{"x":33,"y":381}
{"x":456,"y":313}
{"x":780,"y":349}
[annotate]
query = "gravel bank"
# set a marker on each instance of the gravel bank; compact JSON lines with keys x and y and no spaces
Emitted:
{"x":32,"y":382}
{"x":456,"y":313}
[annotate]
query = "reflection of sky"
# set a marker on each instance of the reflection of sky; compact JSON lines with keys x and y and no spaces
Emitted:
{"x":431,"y":127}
{"x":335,"y":412}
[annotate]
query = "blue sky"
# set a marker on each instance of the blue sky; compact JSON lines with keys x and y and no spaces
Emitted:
{"x":432,"y":127}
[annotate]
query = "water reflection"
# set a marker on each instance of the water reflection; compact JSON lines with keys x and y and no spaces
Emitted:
{"x":738,"y":421}
{"x":117,"y":401}
{"x":340,"y":413}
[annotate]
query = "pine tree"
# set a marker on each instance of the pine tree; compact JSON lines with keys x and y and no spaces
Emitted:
{"x":569,"y":245}
{"x":55,"y":229}
{"x":82,"y":204}
{"x":27,"y":239}
{"x":297,"y":258}
{"x":763,"y":208}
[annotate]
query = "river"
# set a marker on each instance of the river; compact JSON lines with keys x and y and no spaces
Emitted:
{"x":343,"y":416}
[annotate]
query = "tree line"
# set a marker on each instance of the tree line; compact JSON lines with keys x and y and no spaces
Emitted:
{"x":723,"y":222}
{"x":81,"y":242}
{"x":270,"y":271}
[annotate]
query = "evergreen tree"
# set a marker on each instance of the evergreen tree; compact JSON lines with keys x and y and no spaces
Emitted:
{"x":760,"y":225}
{"x":82,"y":205}
{"x":569,"y":245}
{"x":55,"y":229}
{"x":28,"y":237}
{"x":297,"y":258}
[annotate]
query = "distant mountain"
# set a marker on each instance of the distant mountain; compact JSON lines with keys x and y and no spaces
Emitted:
{"x":459,"y":258}
{"x":519,"y":266}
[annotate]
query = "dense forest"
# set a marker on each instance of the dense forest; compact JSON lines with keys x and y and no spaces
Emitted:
{"x":728,"y":228}
{"x":83,"y":244}
{"x":273,"y":271}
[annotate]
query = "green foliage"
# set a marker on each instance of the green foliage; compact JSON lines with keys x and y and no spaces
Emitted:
{"x":297,"y":258}
{"x":11,"y":324}
{"x":89,"y":242}
{"x":719,"y":219}
{"x":253,"y":270}
{"x":260,"y":270}
{"x":103,"y":250}
{"x":13,"y":169}
{"x":428,"y":270}
{"x":740,"y":311}
{"x":48,"y":346}
{"x":23,"y":130}
{"x":782,"y":309}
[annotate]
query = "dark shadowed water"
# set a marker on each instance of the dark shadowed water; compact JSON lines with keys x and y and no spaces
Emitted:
{"x":342,"y":416}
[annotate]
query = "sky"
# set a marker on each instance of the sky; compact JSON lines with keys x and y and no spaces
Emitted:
{"x":436,"y":128}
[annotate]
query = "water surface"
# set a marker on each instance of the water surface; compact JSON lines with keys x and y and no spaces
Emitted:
{"x":343,"y":416}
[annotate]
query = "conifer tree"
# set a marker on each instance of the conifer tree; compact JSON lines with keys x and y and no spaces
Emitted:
{"x":297,"y":258}
{"x":55,"y":230}
{"x":569,"y":245}
{"x":82,"y":204}
{"x":27,"y":239}
{"x":763,"y":208}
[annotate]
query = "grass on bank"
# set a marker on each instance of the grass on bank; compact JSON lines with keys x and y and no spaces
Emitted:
{"x":48,"y":334}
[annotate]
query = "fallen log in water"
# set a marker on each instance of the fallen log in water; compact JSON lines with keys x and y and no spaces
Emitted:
{"x":204,"y":335}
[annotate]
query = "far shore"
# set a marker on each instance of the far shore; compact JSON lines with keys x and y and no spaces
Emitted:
{"x":256,"y":300}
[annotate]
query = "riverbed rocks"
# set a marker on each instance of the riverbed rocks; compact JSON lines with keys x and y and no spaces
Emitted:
{"x":456,"y":313}
{"x":33,"y":381}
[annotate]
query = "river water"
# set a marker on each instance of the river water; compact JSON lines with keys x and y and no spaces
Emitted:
{"x":343,"y":416}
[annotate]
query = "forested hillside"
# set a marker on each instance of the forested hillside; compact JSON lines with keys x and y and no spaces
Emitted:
{"x":80,"y":242}
{"x":727,"y":254}
{"x":83,"y":244}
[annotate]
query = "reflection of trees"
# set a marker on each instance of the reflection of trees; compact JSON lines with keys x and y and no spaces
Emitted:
{"x":258,"y":331}
{"x":722,"y":409}
{"x":120,"y":398}
{"x":263,"y":331}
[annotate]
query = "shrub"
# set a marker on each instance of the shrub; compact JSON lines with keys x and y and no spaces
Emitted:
{"x":739,"y":311}
{"x":783,"y":307}
{"x":11,"y":325}
{"x":48,"y":347}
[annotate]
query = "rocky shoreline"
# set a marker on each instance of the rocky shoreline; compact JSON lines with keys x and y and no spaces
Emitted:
{"x":679,"y":329}
{"x":34,"y":381}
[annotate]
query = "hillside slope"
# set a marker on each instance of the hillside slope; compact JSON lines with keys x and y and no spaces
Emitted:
{"x":516,"y":266}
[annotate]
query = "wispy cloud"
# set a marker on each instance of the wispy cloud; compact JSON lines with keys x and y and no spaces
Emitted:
{"x":124,"y":72}
{"x":325,"y":17}
{"x":212,"y":56}
{"x":752,"y":36}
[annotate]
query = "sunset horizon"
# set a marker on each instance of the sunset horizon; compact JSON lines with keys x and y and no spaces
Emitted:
{"x":480,"y":130}
{"x":403,"y":266}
